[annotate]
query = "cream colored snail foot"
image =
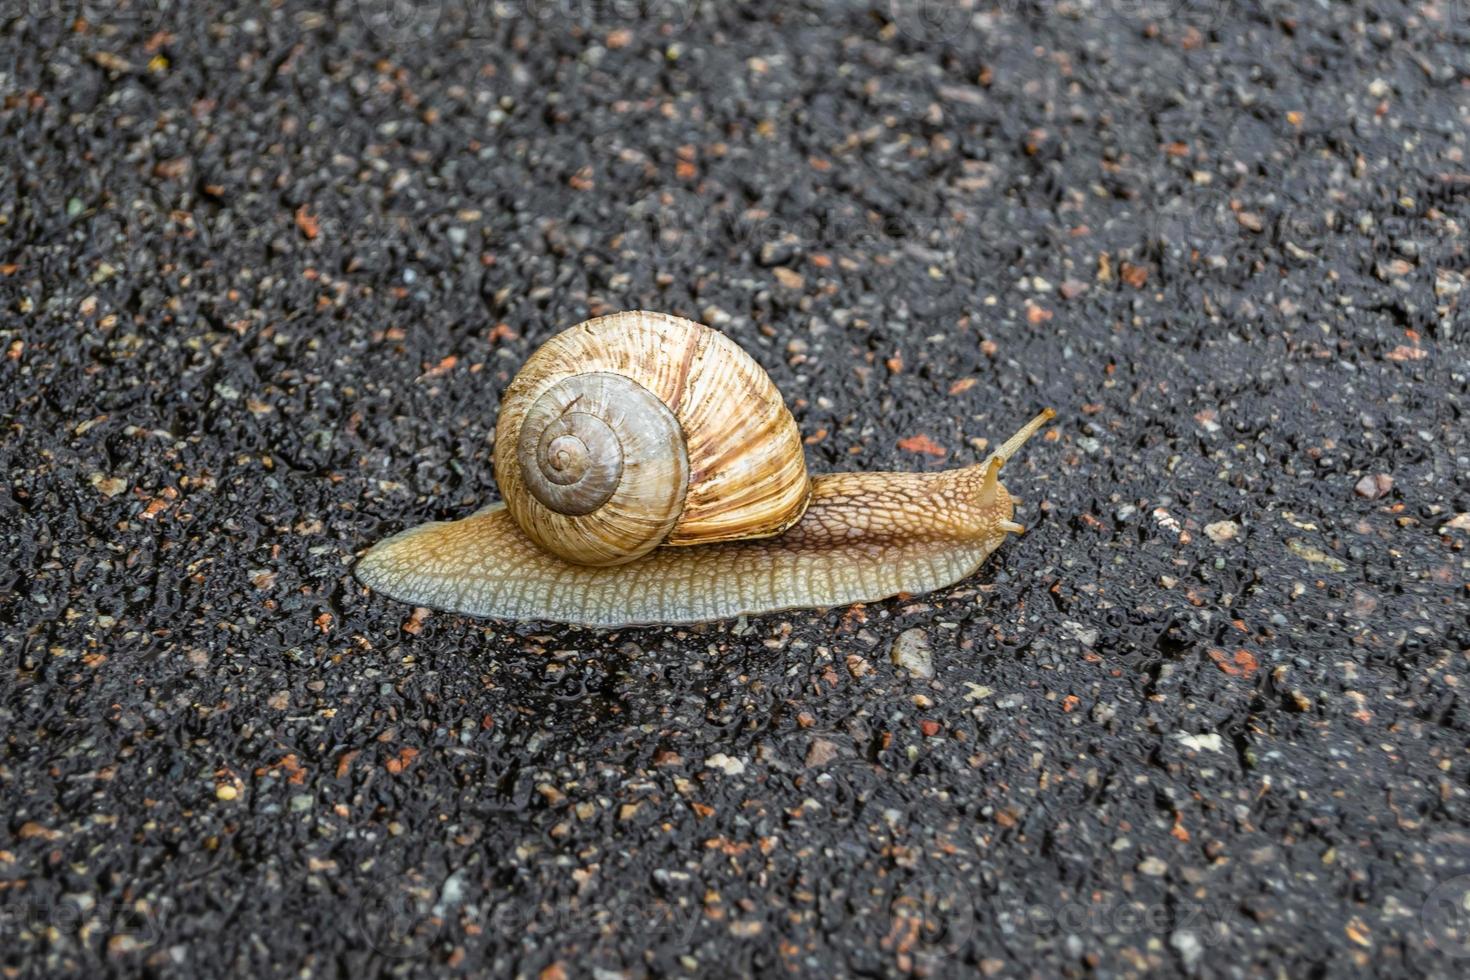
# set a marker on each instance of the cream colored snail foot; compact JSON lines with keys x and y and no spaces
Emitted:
{"x":652,"y":474}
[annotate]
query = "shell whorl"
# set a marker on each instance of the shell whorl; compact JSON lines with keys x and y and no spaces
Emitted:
{"x":605,"y":461}
{"x":639,"y":429}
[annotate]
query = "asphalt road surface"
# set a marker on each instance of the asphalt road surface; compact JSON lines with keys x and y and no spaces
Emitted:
{"x":265,"y":272}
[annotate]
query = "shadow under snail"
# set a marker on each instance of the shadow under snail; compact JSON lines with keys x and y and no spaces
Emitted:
{"x":651,"y":473}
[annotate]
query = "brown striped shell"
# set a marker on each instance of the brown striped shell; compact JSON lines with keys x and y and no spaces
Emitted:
{"x":641,"y":429}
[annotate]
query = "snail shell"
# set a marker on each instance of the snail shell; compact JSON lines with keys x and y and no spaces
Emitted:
{"x":640,"y":429}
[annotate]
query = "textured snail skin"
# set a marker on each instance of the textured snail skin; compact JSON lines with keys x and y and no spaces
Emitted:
{"x":863,"y":537}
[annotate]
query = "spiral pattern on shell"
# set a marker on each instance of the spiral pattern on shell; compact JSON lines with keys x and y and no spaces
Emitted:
{"x":606,"y":457}
{"x":640,"y":429}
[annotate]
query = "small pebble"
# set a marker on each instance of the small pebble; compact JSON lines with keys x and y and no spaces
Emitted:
{"x":1373,"y":486}
{"x":1081,"y":632}
{"x":820,"y":753}
{"x":789,"y":278}
{"x":1221,"y":531}
{"x":777,"y":253}
{"x":1188,"y":946}
{"x":108,"y":486}
{"x":1210,"y":741}
{"x":911,"y":652}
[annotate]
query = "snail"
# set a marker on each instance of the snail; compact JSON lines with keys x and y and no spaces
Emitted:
{"x":651,"y":473}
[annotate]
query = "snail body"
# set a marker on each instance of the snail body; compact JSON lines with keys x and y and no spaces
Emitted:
{"x":754,"y":533}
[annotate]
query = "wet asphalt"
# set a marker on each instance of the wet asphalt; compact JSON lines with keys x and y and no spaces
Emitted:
{"x":264,"y":274}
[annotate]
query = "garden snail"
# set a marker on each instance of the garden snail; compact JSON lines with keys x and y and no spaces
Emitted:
{"x":652,"y":474}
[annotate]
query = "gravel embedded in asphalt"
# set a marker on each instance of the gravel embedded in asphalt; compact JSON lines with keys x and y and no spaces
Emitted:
{"x":265,"y":273}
